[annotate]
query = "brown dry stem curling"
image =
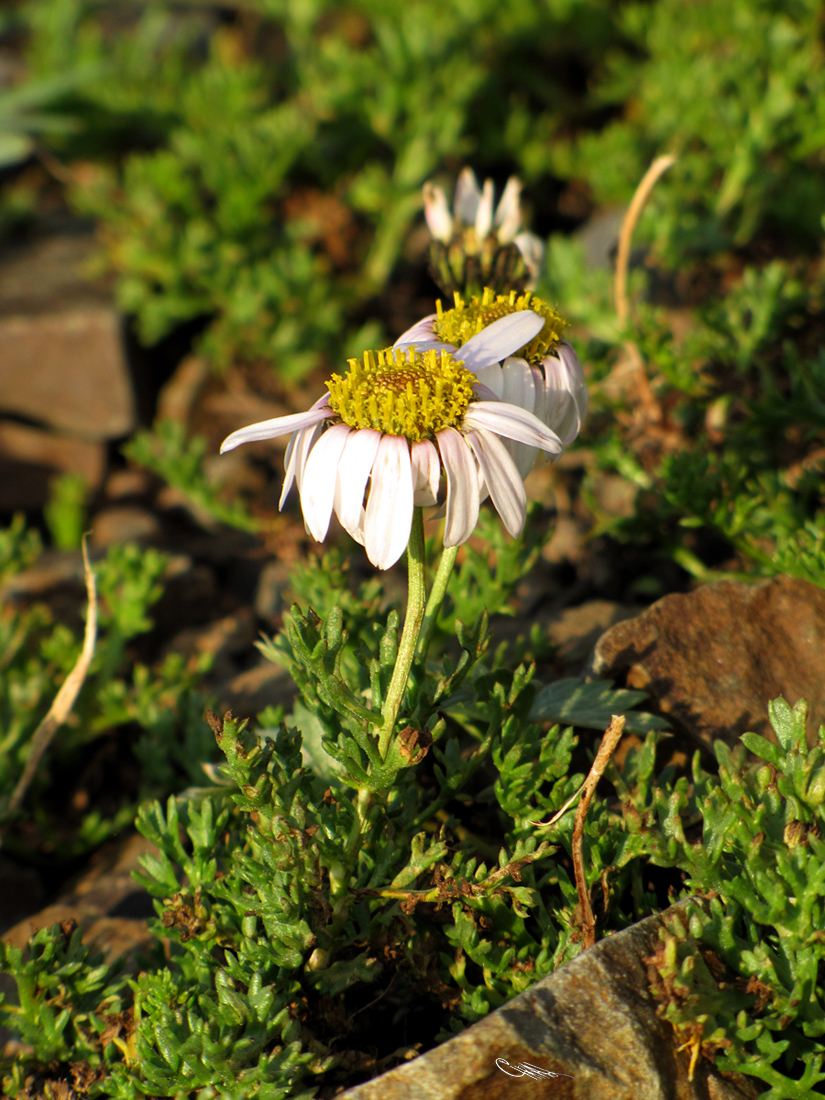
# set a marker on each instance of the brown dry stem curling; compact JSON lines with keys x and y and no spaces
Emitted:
{"x":65,"y":699}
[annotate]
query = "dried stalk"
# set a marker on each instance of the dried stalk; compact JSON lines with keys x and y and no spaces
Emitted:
{"x":65,"y":698}
{"x":634,"y":362}
{"x":631,"y":219}
{"x":609,"y":742}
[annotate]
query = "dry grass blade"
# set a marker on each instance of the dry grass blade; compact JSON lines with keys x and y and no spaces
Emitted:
{"x":65,"y":698}
{"x":610,"y":740}
{"x":632,"y":363}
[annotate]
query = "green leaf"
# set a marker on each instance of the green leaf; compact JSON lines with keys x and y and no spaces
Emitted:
{"x":591,"y":703}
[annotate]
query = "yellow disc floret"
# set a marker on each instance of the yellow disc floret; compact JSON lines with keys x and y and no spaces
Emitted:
{"x":402,"y":392}
{"x":456,"y":326}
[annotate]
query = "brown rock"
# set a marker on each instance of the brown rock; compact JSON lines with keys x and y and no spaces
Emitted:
{"x":714,"y":658}
{"x":264,"y":685}
{"x":124,"y":523}
{"x":30,"y":458}
{"x":575,"y":630}
{"x":178,"y":396}
{"x":594,"y":1020}
{"x":68,"y":370}
{"x":96,"y":901}
{"x":63,"y":357}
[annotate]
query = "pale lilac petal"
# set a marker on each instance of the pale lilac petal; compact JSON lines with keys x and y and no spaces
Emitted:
{"x":532,"y":252}
{"x":489,"y":377}
{"x":421,"y":330}
{"x":565,"y":393}
{"x":351,"y":478}
{"x":500,"y":339}
{"x":297,"y":454}
{"x":508,"y":214}
{"x":467,"y":197}
{"x":511,"y":422}
{"x":437,"y":213}
{"x":280,"y":425}
{"x":428,"y":345}
{"x":502,"y":478}
{"x":390,"y":507}
{"x":519,"y":387}
{"x":318,"y":488}
{"x":426,"y":471}
{"x":462,"y":486}
{"x":484,"y":213}
{"x":484,"y":393}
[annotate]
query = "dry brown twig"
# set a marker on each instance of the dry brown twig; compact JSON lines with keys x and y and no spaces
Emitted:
{"x":65,"y":699}
{"x":634,"y":363}
{"x":612,"y":736}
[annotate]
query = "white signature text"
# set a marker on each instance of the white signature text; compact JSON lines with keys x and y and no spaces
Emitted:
{"x":524,"y":1069}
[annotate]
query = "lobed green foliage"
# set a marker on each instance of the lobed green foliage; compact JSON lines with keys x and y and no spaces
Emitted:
{"x":161,"y":704}
{"x":742,"y":976}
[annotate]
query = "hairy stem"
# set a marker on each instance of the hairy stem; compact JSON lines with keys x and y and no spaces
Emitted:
{"x":442,"y":578}
{"x":409,"y":636}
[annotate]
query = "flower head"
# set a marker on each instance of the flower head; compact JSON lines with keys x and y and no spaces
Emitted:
{"x":543,"y":376}
{"x":375,"y":445}
{"x":477,"y":245}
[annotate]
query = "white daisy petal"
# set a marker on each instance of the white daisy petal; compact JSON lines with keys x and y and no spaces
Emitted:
{"x":519,"y":387}
{"x":390,"y":507}
{"x":508,"y":214}
{"x":462,"y":486}
{"x":531,"y":248}
{"x":489,"y":377}
{"x":502,"y":478}
{"x":437,"y":213}
{"x":500,"y":339}
{"x":511,"y":422}
{"x":484,"y":213}
{"x":420,"y":331}
{"x":351,"y":477}
{"x":426,"y":471}
{"x":467,"y":197}
{"x":297,"y":453}
{"x":318,"y":487}
{"x":280,"y":425}
{"x":565,"y":388}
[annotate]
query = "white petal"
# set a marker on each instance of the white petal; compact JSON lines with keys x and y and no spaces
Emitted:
{"x":508,"y":214}
{"x":502,"y":479}
{"x":565,"y":389}
{"x":390,"y":506}
{"x":421,"y":330}
{"x":297,"y":453}
{"x":462,"y":486}
{"x":437,"y":213}
{"x":511,"y":422}
{"x":467,"y":197}
{"x":484,"y":214}
{"x":426,"y":471}
{"x":502,"y":338}
{"x":491,"y":378}
{"x":280,"y":425}
{"x":531,"y":248}
{"x":428,"y":345}
{"x":318,"y":488}
{"x":519,"y":387}
{"x":351,"y":478}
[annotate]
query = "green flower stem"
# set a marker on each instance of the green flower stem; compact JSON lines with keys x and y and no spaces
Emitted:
{"x":409,"y":636}
{"x":442,"y":578}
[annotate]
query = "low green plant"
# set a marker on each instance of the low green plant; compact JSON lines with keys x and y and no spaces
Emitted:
{"x":739,"y":977}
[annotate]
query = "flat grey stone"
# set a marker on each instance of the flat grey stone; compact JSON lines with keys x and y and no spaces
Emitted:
{"x":594,"y":1020}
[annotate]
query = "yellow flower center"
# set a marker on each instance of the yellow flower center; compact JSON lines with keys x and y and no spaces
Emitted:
{"x":456,"y":326}
{"x":402,"y":392}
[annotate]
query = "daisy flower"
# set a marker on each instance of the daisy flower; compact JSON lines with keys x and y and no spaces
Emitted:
{"x":374,"y":446}
{"x":544,"y":376}
{"x":478,"y":245}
